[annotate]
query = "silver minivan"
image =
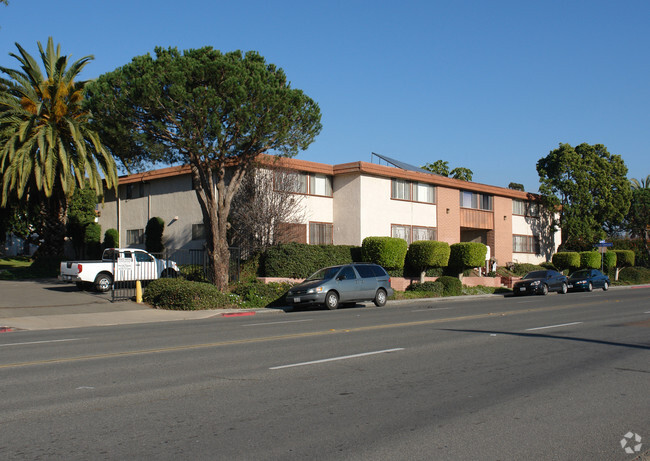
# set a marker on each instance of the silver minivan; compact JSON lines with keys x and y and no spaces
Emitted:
{"x":347,"y":283}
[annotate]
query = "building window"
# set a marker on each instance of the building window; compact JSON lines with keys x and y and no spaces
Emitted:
{"x":135,"y":236}
{"x":198,"y":231}
{"x":424,"y":192}
{"x":525,"y":208}
{"x":401,"y":232}
{"x":135,"y":190}
{"x":320,"y":184}
{"x":302,"y":183}
{"x":475,"y":200}
{"x":413,"y":233}
{"x":401,"y":189}
{"x":320,"y":233}
{"x":526,"y":244}
{"x":424,"y":233}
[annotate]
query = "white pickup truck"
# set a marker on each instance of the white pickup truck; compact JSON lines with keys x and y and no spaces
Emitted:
{"x":119,"y":265}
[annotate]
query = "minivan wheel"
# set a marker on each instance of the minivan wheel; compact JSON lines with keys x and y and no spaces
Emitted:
{"x":380,"y":298}
{"x":331,"y":300}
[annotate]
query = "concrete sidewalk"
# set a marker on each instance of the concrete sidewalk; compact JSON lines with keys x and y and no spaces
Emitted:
{"x":50,"y":304}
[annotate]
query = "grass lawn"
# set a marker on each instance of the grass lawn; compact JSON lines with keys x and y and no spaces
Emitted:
{"x":17,"y":268}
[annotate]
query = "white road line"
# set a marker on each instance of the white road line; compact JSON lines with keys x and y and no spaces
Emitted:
{"x":275,"y":323}
{"x":554,"y":326}
{"x":337,"y":358}
{"x":42,"y":342}
{"x":431,"y":309}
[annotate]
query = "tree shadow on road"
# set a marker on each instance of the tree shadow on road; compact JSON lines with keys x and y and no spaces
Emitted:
{"x":546,"y":336}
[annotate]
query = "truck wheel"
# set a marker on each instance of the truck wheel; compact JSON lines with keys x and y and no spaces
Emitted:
{"x":103,"y":282}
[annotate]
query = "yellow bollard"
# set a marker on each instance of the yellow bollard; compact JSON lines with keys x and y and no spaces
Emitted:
{"x":138,"y":292}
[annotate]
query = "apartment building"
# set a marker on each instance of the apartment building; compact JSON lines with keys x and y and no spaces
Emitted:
{"x":343,"y":204}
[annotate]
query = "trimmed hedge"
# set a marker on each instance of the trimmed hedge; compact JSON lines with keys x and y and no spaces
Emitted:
{"x":111,"y":239}
{"x":589,"y":260}
{"x":300,"y":260}
{"x":452,"y":285}
{"x":184,"y":295}
{"x":624,"y":258}
{"x":566,"y":260}
{"x":466,"y":255}
{"x":521,"y":269}
{"x":609,"y":260}
{"x":635,"y":275}
{"x":153,"y":235}
{"x":92,"y":239}
{"x":258,"y":294}
{"x":388,"y":252}
{"x":426,"y":254}
{"x":434,"y":289}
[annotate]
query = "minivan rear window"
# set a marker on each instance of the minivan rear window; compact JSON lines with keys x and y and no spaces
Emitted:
{"x":367,"y":271}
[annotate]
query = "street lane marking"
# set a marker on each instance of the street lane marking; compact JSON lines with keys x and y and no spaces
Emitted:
{"x":345,"y":357}
{"x":428,"y":309}
{"x":275,"y":323}
{"x":42,"y":342}
{"x":554,"y":326}
{"x":291,"y":336}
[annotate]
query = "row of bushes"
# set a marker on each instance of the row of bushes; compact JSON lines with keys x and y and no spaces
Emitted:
{"x":572,"y":260}
{"x":443,"y":286}
{"x":298,"y":260}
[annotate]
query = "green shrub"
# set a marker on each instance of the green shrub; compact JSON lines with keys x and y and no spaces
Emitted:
{"x":388,"y":252}
{"x":299,"y":260}
{"x":521,"y":269}
{"x":258,"y":294}
{"x":609,"y":261}
{"x":466,"y":255}
{"x":92,"y":238}
{"x":624,"y":258}
{"x":452,"y":285}
{"x":111,"y":239}
{"x":432,"y":289}
{"x":426,"y":254}
{"x":589,"y":260}
{"x":635,"y":275}
{"x":548,"y":266}
{"x":180,"y":294}
{"x":153,"y":235}
{"x":566,"y":260}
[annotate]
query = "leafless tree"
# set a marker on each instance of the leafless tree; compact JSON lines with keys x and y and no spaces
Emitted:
{"x":267,"y":210}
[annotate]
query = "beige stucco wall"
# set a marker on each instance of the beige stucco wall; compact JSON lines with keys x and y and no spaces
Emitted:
{"x":346,"y":217}
{"x":167,"y":198}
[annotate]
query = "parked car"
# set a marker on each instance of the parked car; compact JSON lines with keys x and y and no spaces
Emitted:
{"x":117,"y":264}
{"x":347,"y":283}
{"x":541,"y":282}
{"x":587,"y":280}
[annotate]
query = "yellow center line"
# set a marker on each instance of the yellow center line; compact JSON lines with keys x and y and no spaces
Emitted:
{"x":289,"y":336}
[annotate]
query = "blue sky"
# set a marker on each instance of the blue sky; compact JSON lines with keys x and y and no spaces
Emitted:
{"x":488,"y":85}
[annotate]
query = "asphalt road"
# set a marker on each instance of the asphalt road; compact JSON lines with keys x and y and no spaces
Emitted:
{"x":555,"y":377}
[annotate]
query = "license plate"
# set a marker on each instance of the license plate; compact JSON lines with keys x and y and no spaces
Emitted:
{"x":570,"y":286}
{"x":296,"y":300}
{"x":522,"y":288}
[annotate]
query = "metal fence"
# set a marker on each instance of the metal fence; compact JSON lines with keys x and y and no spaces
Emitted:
{"x":192,"y":265}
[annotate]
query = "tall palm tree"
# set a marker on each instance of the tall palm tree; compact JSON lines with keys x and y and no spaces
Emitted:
{"x":643,"y":184}
{"x":46,"y":146}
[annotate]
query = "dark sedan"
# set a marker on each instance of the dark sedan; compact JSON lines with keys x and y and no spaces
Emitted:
{"x":587,"y":280}
{"x":541,"y":282}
